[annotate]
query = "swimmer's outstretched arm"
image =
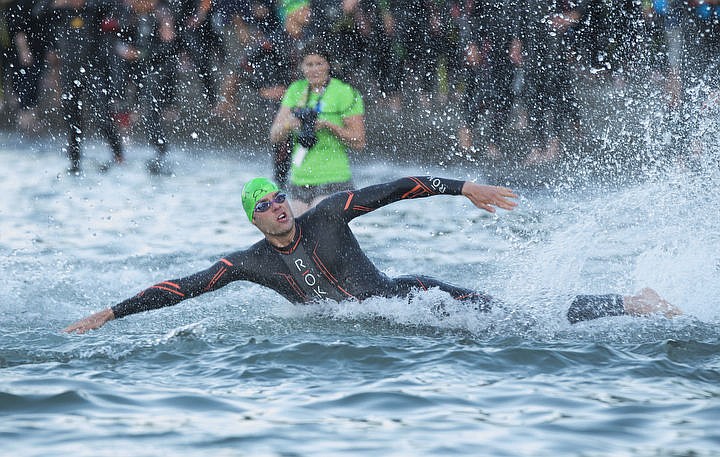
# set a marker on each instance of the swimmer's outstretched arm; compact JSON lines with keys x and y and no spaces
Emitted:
{"x":646,"y":303}
{"x":169,"y":293}
{"x":352,"y":204}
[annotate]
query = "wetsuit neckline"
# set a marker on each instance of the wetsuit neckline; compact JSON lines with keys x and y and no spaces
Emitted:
{"x":290,"y":248}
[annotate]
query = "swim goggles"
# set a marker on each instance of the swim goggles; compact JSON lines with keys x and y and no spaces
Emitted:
{"x":261,"y":207}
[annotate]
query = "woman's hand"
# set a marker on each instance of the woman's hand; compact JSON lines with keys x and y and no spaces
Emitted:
{"x":352,"y":132}
{"x":284,"y":123}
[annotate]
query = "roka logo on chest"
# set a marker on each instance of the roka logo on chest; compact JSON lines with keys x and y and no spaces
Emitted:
{"x":310,"y":278}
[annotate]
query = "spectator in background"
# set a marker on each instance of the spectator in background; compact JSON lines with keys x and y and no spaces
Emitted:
{"x":148,"y":36}
{"x":30,"y":42}
{"x":661,"y":48}
{"x":552,"y":109}
{"x":295,"y":16}
{"x":5,"y":49}
{"x":693,"y":33}
{"x":703,"y":40}
{"x":401,"y":42}
{"x":265,"y":66}
{"x":271,"y":35}
{"x":490,"y":55}
{"x":229,"y":19}
{"x":264,"y":54}
{"x":421,"y":37}
{"x":610,"y":39}
{"x":385,"y":47}
{"x":325,"y":117}
{"x":198,"y":40}
{"x":83,"y":46}
{"x":348,"y":25}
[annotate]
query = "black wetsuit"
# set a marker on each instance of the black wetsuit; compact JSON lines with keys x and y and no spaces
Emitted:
{"x":84,"y":50}
{"x":324,"y":260}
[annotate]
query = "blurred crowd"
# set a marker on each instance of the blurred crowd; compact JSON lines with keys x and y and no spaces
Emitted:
{"x":121,"y":58}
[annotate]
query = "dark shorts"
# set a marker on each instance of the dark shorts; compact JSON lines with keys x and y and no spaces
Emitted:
{"x":307,"y":194}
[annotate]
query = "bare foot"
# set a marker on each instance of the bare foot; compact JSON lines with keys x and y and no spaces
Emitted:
{"x":27,"y":120}
{"x":552,"y":150}
{"x":649,"y":302}
{"x":535,"y":157}
{"x":465,"y":138}
{"x":493,"y":152}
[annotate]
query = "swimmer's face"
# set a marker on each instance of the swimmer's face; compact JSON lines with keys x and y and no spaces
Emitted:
{"x":316,"y":69}
{"x":277,"y":219}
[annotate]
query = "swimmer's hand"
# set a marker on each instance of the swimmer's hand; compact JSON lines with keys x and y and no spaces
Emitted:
{"x":91,"y":322}
{"x":648,"y":302}
{"x":489,"y":197}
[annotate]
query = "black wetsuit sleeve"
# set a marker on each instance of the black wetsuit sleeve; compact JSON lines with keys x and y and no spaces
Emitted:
{"x":362,"y":201}
{"x":588,"y":307}
{"x":172,"y":292}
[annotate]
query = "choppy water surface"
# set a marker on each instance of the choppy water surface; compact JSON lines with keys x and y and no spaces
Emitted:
{"x":242,"y":372}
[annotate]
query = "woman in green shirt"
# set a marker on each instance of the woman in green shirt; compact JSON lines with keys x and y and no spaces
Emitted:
{"x":326,"y":117}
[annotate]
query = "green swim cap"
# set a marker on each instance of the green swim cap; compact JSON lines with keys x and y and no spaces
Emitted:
{"x":253,"y":191}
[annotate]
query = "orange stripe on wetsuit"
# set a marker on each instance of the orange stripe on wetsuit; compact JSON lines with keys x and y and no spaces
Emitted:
{"x":326,"y":272}
{"x":361,"y":208}
{"x":420,"y":190}
{"x":220,"y":273}
{"x":169,"y":287}
{"x":332,"y":251}
{"x":298,"y":290}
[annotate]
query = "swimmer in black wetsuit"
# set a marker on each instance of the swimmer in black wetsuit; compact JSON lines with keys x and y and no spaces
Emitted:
{"x":316,"y":256}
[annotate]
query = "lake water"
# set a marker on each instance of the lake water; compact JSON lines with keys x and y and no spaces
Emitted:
{"x":243,"y":372}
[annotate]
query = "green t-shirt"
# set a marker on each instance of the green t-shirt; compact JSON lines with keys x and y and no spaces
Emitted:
{"x":327,"y":161}
{"x":286,"y":7}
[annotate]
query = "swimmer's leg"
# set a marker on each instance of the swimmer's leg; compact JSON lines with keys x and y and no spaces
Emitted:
{"x":404,"y":285}
{"x":587,"y":307}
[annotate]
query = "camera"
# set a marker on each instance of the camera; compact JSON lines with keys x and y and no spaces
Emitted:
{"x":306,"y":136}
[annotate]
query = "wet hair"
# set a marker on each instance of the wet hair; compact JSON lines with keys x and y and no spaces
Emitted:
{"x":316,"y":47}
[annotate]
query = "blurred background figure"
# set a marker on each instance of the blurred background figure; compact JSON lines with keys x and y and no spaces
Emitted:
{"x":146,"y":47}
{"x":6,"y":50}
{"x":29,"y":37}
{"x":703,"y":40}
{"x":264,"y":65}
{"x":490,"y":54}
{"x":199,"y":43}
{"x":347,"y":24}
{"x":84,"y":46}
{"x":420,"y":29}
{"x":295,"y":16}
{"x":544,"y":30}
